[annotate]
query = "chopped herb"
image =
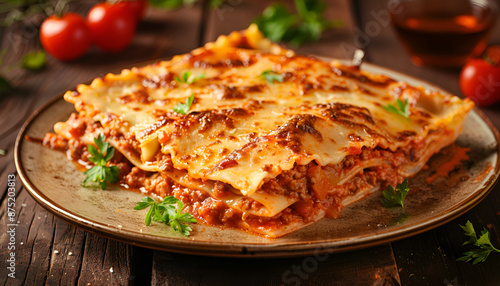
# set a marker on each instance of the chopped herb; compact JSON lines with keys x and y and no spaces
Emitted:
{"x":271,"y":76}
{"x":183,"y":108}
{"x":483,"y":243}
{"x":34,"y":60}
{"x":168,"y":212}
{"x":2,"y":152}
{"x":280,"y":25}
{"x":396,"y":197}
{"x":185,"y":77}
{"x":101,"y":173}
{"x":403,"y":108}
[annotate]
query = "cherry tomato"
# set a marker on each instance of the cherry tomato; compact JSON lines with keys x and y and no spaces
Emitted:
{"x":136,"y":7}
{"x":111,"y":26}
{"x":66,"y":38}
{"x":480,"y":78}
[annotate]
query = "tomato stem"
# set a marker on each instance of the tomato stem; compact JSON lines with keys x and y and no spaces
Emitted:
{"x":492,"y":55}
{"x":61,"y":7}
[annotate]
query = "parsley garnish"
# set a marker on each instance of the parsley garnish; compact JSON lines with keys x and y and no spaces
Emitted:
{"x":183,"y":108}
{"x":403,"y":108}
{"x":279,"y":24}
{"x":168,"y":212}
{"x":396,"y":197}
{"x":186,"y":75}
{"x":271,"y":76}
{"x":34,"y":60}
{"x":2,"y":152}
{"x":101,"y":173}
{"x":483,"y":243}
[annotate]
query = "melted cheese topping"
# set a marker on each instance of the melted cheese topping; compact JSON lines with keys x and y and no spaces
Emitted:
{"x":242,"y":129}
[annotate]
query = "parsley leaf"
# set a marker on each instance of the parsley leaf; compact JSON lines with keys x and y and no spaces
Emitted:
{"x":34,"y":60}
{"x":403,"y":108}
{"x":168,"y":212}
{"x":271,"y":76}
{"x":101,"y":173}
{"x":3,"y":152}
{"x":280,"y":25}
{"x":396,"y":197}
{"x":483,"y":243}
{"x":186,"y":75}
{"x":183,"y":108}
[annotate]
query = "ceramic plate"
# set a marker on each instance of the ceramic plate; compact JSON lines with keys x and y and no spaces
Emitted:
{"x":55,"y":183}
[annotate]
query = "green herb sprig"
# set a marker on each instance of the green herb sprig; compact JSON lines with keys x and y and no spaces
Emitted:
{"x":280,"y":25}
{"x":100,"y":173}
{"x":185,"y":77}
{"x":34,"y":61}
{"x":401,"y":108}
{"x":396,"y":197}
{"x":183,"y":108}
{"x":168,"y":212}
{"x":483,"y":243}
{"x":271,"y":76}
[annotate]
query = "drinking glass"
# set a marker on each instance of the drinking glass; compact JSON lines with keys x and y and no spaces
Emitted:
{"x":443,"y":33}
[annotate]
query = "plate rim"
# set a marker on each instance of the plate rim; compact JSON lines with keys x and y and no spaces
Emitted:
{"x":257,"y":250}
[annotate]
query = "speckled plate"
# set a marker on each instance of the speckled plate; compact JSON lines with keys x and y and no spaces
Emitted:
{"x":54,"y":182}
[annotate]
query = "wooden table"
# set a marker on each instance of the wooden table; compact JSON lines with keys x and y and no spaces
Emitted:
{"x":87,"y":259}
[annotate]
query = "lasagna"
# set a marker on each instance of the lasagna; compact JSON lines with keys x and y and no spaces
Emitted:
{"x":272,"y":141}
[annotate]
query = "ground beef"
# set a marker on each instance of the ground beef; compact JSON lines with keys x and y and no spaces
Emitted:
{"x":54,"y":141}
{"x":136,"y":179}
{"x":291,"y":183}
{"x":249,"y":204}
{"x":164,"y":162}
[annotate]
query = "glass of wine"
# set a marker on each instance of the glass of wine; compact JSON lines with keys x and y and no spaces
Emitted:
{"x":443,"y":33}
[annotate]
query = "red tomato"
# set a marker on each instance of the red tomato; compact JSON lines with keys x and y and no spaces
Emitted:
{"x":111,"y":26}
{"x":65,"y":38}
{"x":480,"y":78}
{"x":136,"y":7}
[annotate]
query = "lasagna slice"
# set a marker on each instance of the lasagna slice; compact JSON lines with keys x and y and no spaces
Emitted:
{"x":272,"y":141}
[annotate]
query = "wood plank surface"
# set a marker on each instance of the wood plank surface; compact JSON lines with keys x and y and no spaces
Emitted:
{"x":67,"y":253}
{"x":51,"y":252}
{"x":364,"y":267}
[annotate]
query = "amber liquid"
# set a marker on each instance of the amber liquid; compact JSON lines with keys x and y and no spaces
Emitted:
{"x":443,"y":40}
